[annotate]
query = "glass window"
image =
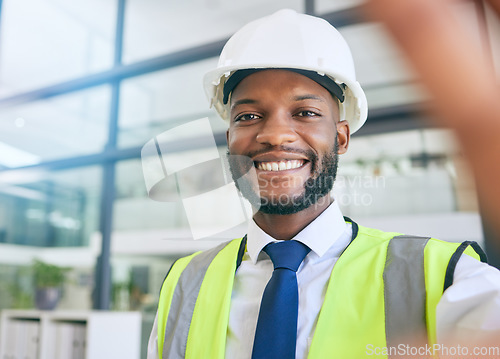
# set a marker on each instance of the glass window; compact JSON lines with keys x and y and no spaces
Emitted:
{"x":49,"y":41}
{"x":49,"y":209}
{"x":53,"y":217}
{"x":404,"y":173}
{"x":386,"y":77}
{"x":394,"y":94}
{"x":326,"y":6}
{"x":152,"y":103}
{"x":132,"y":198}
{"x":55,"y":128}
{"x":155,"y":27}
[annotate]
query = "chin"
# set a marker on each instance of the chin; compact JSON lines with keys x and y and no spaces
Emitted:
{"x":291,"y":205}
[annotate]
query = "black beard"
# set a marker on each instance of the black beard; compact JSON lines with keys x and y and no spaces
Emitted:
{"x":315,"y":188}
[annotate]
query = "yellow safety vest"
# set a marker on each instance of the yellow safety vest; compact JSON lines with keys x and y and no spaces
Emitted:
{"x":385,"y":286}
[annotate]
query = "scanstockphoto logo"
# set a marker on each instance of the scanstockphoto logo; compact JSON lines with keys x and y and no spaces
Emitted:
{"x":434,"y":351}
{"x":172,"y":176}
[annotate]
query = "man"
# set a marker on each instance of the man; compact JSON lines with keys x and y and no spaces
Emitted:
{"x":304,"y":281}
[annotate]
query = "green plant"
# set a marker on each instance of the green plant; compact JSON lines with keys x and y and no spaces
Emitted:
{"x":48,"y":275}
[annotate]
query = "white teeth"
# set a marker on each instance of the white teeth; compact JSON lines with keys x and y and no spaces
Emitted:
{"x":279,"y":166}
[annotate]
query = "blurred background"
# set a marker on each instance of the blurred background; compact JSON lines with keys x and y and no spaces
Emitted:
{"x":84,"y":84}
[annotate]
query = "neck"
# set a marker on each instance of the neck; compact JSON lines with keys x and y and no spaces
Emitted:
{"x":285,"y":227}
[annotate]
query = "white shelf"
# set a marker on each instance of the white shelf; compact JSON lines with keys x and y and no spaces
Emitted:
{"x":33,"y":334}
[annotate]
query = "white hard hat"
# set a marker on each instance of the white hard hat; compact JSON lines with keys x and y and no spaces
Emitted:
{"x":289,"y":40}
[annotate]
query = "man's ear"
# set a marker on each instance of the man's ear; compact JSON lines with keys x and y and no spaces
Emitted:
{"x":343,"y":136}
{"x":227,"y":136}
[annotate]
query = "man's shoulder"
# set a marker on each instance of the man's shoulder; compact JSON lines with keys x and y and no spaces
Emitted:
{"x":207,"y":255}
{"x":196,"y":266}
{"x":432,"y":244}
{"x":374,"y":233}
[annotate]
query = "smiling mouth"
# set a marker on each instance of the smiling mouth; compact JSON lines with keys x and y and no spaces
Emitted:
{"x":276,"y":166}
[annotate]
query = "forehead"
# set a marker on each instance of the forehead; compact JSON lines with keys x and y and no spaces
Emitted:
{"x":277,"y":81}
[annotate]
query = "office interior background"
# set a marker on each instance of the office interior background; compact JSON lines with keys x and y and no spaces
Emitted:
{"x":85,"y":84}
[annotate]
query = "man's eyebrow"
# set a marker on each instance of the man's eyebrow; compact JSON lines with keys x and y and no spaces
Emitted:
{"x":243,"y":101}
{"x":308,"y":97}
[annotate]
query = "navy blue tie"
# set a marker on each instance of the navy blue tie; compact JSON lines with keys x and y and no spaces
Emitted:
{"x":276,"y":332}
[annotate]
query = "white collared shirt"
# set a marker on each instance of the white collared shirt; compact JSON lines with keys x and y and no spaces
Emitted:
{"x":471,"y":304}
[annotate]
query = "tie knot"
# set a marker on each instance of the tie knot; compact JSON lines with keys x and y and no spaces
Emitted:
{"x":287,"y":254}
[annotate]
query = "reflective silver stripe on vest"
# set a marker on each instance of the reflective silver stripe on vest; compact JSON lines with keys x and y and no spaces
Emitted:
{"x":183,"y":301}
{"x":404,"y":290}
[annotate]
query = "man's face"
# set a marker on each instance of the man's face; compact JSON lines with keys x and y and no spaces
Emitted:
{"x":288,"y":127}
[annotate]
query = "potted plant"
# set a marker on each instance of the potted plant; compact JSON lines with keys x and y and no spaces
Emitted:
{"x":48,"y":280}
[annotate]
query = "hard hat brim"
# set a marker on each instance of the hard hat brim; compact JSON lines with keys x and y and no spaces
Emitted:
{"x":355,"y":103}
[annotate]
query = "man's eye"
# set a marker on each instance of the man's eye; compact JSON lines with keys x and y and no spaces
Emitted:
{"x":246,"y":117}
{"x":307,"y":114}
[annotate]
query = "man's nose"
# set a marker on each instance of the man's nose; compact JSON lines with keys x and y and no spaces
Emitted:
{"x":277,"y":129}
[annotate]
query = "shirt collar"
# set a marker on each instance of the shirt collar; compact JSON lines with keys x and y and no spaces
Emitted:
{"x":319,"y":235}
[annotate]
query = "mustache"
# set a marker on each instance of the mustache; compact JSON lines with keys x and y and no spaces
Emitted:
{"x":309,"y":154}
